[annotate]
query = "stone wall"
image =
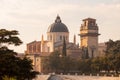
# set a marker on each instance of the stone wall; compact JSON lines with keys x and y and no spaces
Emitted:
{"x":75,"y":77}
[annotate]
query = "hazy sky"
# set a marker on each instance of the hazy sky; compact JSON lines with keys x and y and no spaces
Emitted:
{"x":33,"y":17}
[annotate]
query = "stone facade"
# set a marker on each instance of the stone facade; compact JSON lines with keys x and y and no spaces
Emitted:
{"x":57,"y":36}
{"x":89,"y":37}
{"x":101,"y":49}
{"x":39,"y":51}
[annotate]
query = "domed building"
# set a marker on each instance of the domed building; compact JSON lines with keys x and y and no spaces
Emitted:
{"x":57,"y":31}
{"x":57,"y":35}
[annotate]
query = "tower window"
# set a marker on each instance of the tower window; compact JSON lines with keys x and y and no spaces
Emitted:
{"x":63,"y":37}
{"x":85,"y":23}
{"x":66,"y":37}
{"x":60,"y":37}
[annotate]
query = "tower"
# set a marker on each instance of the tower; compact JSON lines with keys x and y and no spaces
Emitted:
{"x":42,"y":44}
{"x":74,"y":39}
{"x":89,"y":37}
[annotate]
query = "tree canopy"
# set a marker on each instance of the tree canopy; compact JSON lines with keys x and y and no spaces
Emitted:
{"x":107,"y":63}
{"x":9,"y":37}
{"x":12,"y":66}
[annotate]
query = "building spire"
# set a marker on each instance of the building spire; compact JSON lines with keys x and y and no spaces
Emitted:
{"x":74,"y":39}
{"x":42,"y":39}
{"x":64,"y":53}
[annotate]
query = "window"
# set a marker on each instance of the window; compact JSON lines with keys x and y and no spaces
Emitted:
{"x":66,"y":37}
{"x":38,"y":47}
{"x":63,"y":37}
{"x":34,"y":47}
{"x":50,"y":37}
{"x":85,"y":23}
{"x":60,"y":37}
{"x":30,"y":48}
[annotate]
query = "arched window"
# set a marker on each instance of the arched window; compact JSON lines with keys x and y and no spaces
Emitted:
{"x":60,"y":37}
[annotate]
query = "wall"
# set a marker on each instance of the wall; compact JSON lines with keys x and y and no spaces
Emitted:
{"x":75,"y":77}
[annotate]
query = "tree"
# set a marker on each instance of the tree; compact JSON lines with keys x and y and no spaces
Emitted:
{"x":9,"y":37}
{"x":26,"y":70}
{"x":113,"y":54}
{"x":12,"y":66}
{"x":113,"y":47}
{"x":8,"y":65}
{"x":116,"y":63}
{"x":59,"y":63}
{"x":85,"y":54}
{"x":66,"y":64}
{"x":64,"y":48}
{"x":84,"y":65}
{"x":54,"y":61}
{"x":96,"y":65}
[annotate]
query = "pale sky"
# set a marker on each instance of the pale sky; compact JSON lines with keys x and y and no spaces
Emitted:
{"x":33,"y":17}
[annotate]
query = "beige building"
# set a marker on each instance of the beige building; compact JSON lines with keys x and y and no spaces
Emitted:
{"x":57,"y":32}
{"x":39,"y":62}
{"x":101,"y":49}
{"x":89,"y":37}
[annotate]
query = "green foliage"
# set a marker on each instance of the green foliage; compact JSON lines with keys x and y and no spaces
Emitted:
{"x":60,"y":63}
{"x":113,"y":47}
{"x":54,"y":60}
{"x":96,"y":65}
{"x":8,"y":78}
{"x":85,"y":54}
{"x":110,"y":62}
{"x":11,"y":66}
{"x":113,"y":55}
{"x":64,"y":48}
{"x":66,"y":64}
{"x":25,"y":69}
{"x":8,"y":65}
{"x":9,"y":37}
{"x":84,"y":66}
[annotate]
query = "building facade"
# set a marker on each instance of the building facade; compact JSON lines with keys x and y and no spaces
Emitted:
{"x":57,"y":32}
{"x":89,"y":37}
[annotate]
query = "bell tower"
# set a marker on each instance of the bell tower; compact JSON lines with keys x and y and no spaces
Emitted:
{"x":89,"y":37}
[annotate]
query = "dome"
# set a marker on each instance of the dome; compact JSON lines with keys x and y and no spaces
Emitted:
{"x":58,"y":26}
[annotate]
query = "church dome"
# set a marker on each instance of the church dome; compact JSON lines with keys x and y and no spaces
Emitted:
{"x":58,"y":26}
